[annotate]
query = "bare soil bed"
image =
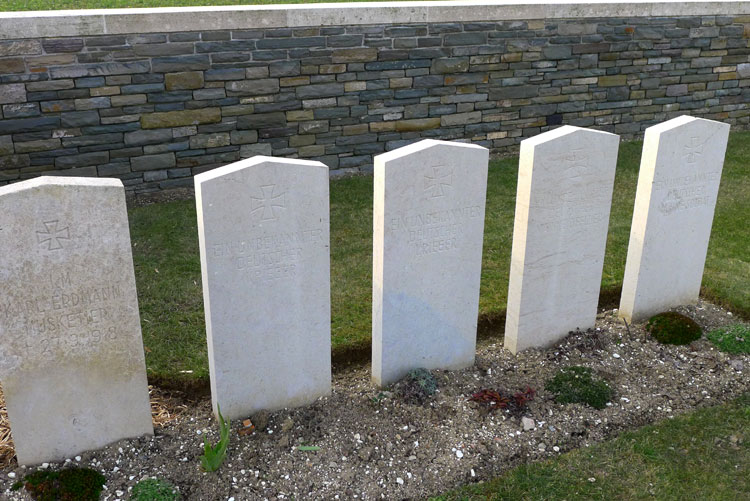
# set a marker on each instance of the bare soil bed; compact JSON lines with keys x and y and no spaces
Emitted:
{"x":376,"y":444}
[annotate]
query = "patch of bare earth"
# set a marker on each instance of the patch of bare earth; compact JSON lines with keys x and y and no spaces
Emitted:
{"x":374,"y":444}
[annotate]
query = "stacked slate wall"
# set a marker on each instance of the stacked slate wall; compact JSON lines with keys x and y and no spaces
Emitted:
{"x":154,"y":109}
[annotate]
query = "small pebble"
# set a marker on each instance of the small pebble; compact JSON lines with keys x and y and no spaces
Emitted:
{"x":459,"y":454}
{"x":11,"y":475}
{"x":399,"y":481}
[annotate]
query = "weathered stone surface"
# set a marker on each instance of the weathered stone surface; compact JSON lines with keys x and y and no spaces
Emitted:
{"x":153,"y":162}
{"x":67,"y":263}
{"x":612,"y":80}
{"x":28,"y":124}
{"x":13,"y":162}
{"x":12,"y":93}
{"x":52,"y":45}
{"x":565,"y":182}
{"x":179,"y":118}
{"x":224,"y":74}
{"x":263,"y":227}
{"x":180,"y":63}
{"x":243,"y":136}
{"x":320,"y":90}
{"x":251,"y":150}
{"x":214,"y":140}
{"x":678,"y":184}
{"x":90,"y":70}
{"x":417,"y":124}
{"x":6,"y":145}
{"x":82,"y":160}
{"x":262,"y":120}
{"x":253,"y":87}
{"x":20,"y":110}
{"x":461,"y":118}
{"x":362,"y":55}
{"x":12,"y":65}
{"x":427,"y":257}
{"x":79,"y":118}
{"x":143,"y":137}
{"x":39,"y":145}
{"x":129,"y":100}
{"x":20,"y":47}
{"x":92,"y":103}
{"x":50,"y":85}
{"x":450,"y":65}
{"x":184,"y":80}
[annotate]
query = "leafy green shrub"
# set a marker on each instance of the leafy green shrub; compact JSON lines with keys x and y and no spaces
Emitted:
{"x":213,"y":456}
{"x":578,"y":385}
{"x":733,"y":338}
{"x":74,"y":484}
{"x":671,"y":327}
{"x":418,"y":386}
{"x":153,"y":489}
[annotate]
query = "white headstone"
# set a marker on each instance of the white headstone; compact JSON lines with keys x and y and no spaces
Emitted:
{"x":427,"y":257}
{"x":71,"y":355}
{"x":263,"y":225}
{"x":564,"y":194}
{"x":674,"y":207}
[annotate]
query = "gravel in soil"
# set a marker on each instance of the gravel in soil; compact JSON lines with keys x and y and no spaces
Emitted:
{"x":374,"y":444}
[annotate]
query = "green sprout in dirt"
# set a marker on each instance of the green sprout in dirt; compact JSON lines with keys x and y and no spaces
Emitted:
{"x":673,"y":328}
{"x":579,"y":385}
{"x":74,"y":484}
{"x":733,"y":338}
{"x":213,"y":456}
{"x":154,"y":489}
{"x":418,"y":386}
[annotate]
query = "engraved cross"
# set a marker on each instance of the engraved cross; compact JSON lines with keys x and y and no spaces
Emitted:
{"x":52,"y":235}
{"x":268,"y":203}
{"x":693,"y":150}
{"x":436,"y":184}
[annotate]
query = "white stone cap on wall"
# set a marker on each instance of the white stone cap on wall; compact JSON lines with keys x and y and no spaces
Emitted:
{"x":42,"y":24}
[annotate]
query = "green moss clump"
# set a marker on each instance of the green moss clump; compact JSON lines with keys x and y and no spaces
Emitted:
{"x":74,"y":484}
{"x":153,"y":489}
{"x":733,"y":338}
{"x":673,"y":328}
{"x":578,"y":385}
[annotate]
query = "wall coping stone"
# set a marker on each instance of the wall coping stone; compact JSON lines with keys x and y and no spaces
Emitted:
{"x":43,"y":24}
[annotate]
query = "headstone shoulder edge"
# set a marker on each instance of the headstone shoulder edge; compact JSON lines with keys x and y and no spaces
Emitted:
{"x":61,"y":181}
{"x":204,"y":177}
{"x":563,"y":131}
{"x":422,"y":145}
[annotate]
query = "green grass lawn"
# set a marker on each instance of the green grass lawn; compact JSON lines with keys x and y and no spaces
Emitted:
{"x":703,"y":455}
{"x":14,"y":5}
{"x":165,"y":245}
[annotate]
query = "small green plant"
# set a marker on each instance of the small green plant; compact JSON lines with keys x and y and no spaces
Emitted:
{"x":154,"y":489}
{"x":733,"y":338}
{"x":74,"y":484}
{"x":579,"y":385}
{"x":418,"y":386}
{"x":671,"y":327}
{"x":213,"y":456}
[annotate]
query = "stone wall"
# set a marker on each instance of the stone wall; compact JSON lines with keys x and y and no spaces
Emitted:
{"x":154,"y":108}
